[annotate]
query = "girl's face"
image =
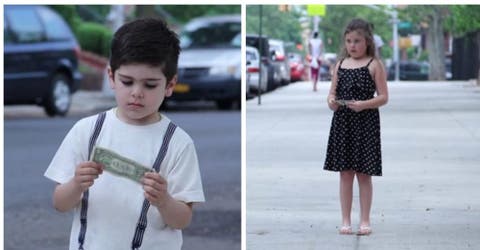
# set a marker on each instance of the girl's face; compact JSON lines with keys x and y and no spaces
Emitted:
{"x":356,"y":44}
{"x":139,"y":91}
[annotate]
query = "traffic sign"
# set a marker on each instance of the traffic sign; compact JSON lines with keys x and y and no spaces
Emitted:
{"x":316,"y":9}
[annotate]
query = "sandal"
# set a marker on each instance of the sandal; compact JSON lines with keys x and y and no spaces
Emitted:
{"x":346,"y":230}
{"x":364,"y":230}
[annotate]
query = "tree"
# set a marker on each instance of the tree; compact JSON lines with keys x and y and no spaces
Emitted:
{"x":184,"y":13}
{"x":276,"y":24}
{"x":432,"y":19}
{"x":333,"y":23}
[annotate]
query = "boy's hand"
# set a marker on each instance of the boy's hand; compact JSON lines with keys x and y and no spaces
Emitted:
{"x":155,"y":187}
{"x":86,"y":173}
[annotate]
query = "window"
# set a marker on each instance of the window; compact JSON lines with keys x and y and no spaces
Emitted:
{"x":55,"y":27}
{"x":25,"y":25}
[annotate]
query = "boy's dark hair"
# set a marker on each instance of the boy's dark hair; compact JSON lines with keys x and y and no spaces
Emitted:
{"x":147,"y":41}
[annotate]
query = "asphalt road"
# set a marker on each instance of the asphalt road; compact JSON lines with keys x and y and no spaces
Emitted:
{"x":30,"y":221}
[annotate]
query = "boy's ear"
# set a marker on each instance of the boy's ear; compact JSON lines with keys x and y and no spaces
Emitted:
{"x":170,"y":86}
{"x":110,"y":78}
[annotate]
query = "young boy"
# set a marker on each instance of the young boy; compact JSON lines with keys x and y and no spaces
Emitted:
{"x":107,"y":207}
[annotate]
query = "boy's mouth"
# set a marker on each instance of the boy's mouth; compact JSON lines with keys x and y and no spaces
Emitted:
{"x":133,"y":104}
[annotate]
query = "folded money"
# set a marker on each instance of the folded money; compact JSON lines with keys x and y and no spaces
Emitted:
{"x":343,"y":102}
{"x":118,"y":164}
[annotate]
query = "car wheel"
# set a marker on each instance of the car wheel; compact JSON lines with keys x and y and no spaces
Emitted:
{"x":224,"y":104}
{"x":59,"y":96}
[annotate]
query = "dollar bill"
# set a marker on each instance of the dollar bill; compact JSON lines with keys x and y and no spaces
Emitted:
{"x":119,"y":165}
{"x":343,"y":102}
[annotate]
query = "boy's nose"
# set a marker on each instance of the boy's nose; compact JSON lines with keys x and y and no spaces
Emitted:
{"x":137,"y":92}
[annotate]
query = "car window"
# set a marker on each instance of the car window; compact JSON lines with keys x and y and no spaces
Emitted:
{"x":25,"y":25}
{"x":251,"y":56}
{"x":55,"y":27}
{"x":7,"y":36}
{"x":212,"y":35}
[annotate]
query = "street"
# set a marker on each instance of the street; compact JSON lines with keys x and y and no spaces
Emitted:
{"x":31,"y":222}
{"x":426,"y":198}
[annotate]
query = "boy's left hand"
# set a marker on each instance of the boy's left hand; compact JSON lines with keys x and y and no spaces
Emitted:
{"x":155,"y":187}
{"x":356,"y":106}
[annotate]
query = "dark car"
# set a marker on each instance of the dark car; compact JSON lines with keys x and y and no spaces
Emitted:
{"x":274,"y":75}
{"x":40,"y":53}
{"x":410,"y":70}
{"x":209,"y":66}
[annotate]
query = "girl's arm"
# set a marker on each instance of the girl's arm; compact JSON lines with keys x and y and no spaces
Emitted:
{"x":332,"y":94}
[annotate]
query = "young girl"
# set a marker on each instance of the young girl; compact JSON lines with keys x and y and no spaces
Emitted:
{"x":354,"y":141}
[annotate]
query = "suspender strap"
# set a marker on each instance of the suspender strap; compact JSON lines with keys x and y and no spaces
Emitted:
{"x":142,"y":221}
{"x":83,"y":212}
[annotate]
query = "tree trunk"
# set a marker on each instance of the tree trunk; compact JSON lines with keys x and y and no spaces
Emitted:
{"x":436,"y":47}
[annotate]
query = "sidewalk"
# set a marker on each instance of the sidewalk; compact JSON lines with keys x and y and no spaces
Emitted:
{"x":427,"y":198}
{"x":83,"y":103}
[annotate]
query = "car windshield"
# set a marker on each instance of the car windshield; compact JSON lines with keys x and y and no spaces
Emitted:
{"x":212,"y":35}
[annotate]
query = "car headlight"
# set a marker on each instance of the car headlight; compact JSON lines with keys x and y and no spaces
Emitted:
{"x":229,"y":70}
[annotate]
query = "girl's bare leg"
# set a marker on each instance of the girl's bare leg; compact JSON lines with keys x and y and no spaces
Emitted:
{"x":346,"y":195}
{"x":366,"y":191}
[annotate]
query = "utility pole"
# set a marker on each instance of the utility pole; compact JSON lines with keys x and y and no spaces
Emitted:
{"x":260,"y":47}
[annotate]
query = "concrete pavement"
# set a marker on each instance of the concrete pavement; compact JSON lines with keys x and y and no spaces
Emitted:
{"x":427,"y":199}
{"x":83,"y":103}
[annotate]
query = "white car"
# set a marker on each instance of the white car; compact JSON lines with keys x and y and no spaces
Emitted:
{"x":253,"y":71}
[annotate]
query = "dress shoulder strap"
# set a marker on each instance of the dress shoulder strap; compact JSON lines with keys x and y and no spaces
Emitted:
{"x":368,"y":64}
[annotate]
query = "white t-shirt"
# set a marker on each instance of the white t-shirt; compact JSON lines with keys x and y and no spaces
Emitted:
{"x":378,"y":43}
{"x":316,"y":44}
{"x":115,"y":202}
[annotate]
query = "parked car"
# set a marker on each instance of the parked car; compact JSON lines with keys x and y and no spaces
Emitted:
{"x":280,"y":59}
{"x":253,"y":71}
{"x":254,"y":40}
{"x":410,"y":70}
{"x":297,"y":67}
{"x":209,"y":66}
{"x":41,"y":59}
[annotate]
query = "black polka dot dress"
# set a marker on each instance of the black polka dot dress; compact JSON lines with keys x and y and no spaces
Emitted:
{"x":354,"y":141}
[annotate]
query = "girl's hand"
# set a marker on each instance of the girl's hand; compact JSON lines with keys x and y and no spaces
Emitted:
{"x":155,"y":187}
{"x":356,"y":106}
{"x":86,"y":173}
{"x":332,"y":104}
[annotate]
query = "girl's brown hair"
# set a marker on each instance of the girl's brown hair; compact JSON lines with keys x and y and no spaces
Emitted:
{"x":364,"y":28}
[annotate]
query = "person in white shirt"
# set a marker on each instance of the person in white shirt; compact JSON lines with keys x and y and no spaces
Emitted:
{"x":315,"y":49}
{"x":107,"y":207}
{"x":378,"y":43}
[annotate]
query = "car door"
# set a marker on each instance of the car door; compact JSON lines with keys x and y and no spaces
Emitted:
{"x":23,"y":72}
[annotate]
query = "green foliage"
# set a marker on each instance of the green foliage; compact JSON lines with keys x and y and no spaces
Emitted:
{"x":95,"y":38}
{"x":333,"y":24}
{"x":183,"y":13}
{"x":463,"y":19}
{"x":275,"y":24}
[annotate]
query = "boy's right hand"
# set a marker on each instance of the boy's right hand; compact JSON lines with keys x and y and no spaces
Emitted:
{"x":86,"y":173}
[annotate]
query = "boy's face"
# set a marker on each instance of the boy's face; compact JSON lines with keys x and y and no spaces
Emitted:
{"x":139,"y":91}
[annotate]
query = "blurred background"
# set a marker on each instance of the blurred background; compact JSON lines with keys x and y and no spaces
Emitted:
{"x":55,"y":73}
{"x":420,"y":42}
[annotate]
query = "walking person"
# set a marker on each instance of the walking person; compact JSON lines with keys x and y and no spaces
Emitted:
{"x":354,"y":141}
{"x":315,"y":47}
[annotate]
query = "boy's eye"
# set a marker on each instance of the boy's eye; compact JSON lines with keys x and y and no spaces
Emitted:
{"x":127,"y":83}
{"x":150,"y":86}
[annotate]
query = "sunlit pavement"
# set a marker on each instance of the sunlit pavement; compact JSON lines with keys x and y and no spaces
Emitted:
{"x":427,"y":198}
